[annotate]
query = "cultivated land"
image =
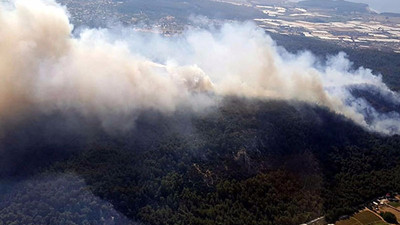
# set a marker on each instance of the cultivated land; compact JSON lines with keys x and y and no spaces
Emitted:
{"x":347,"y":24}
{"x":365,"y":217}
{"x":395,"y":204}
{"x":396,"y":212}
{"x":362,"y":31}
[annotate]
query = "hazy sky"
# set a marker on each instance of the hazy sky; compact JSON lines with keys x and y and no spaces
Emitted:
{"x":382,"y":5}
{"x":379,"y":5}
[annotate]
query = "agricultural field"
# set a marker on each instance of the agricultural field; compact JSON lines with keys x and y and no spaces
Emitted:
{"x":389,"y":209}
{"x":395,"y":204}
{"x":363,"y":218}
{"x":350,"y":221}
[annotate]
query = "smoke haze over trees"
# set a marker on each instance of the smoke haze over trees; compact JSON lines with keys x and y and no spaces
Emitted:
{"x":218,"y":125}
{"x":113,"y":75}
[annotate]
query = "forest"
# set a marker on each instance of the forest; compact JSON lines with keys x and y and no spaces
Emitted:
{"x":245,"y":161}
{"x":238,"y":161}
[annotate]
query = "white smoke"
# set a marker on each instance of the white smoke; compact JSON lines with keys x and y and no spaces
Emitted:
{"x":108,"y":73}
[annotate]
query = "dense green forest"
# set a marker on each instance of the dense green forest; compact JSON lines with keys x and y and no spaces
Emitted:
{"x":56,"y":199}
{"x":243,"y":162}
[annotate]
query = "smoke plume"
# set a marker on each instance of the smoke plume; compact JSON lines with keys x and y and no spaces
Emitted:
{"x":114,"y":73}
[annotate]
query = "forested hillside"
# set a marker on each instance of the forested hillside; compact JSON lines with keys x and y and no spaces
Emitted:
{"x":243,"y":162}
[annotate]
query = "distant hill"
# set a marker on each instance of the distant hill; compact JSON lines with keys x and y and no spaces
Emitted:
{"x":183,"y":9}
{"x":340,"y":6}
{"x":390,"y":14}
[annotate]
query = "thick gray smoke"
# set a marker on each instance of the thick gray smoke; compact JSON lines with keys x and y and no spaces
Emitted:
{"x":109,"y":74}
